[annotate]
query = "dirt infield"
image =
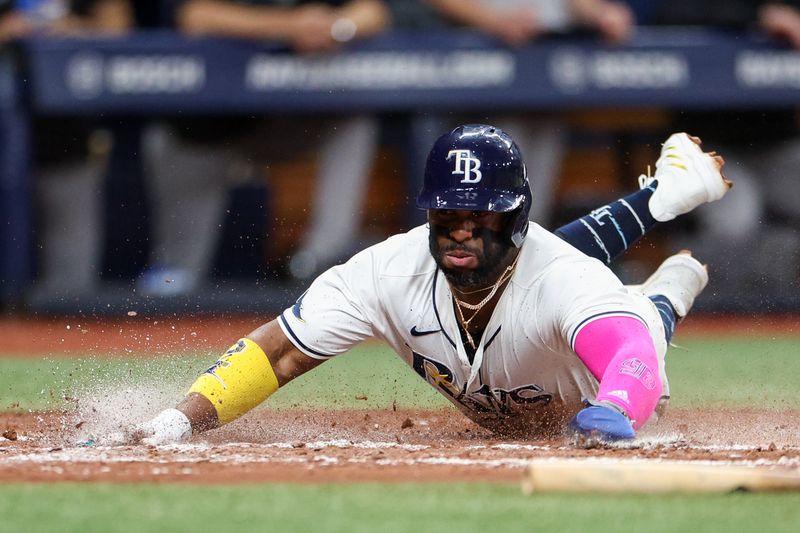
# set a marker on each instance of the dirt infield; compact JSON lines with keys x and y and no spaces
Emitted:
{"x":391,"y":446}
{"x":333,"y":446}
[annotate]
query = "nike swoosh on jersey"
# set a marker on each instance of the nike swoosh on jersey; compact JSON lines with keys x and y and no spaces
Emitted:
{"x":417,"y":333}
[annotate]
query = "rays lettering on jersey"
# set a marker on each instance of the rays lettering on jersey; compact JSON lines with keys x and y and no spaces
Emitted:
{"x":511,"y":402}
{"x":436,"y":374}
{"x":485,"y":399}
{"x":467,"y":165}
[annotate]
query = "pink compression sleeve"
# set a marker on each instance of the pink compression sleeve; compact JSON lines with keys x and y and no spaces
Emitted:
{"x":620,"y":353}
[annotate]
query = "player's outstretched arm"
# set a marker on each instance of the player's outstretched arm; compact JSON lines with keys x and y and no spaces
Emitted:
{"x":243,"y":377}
{"x":620,"y":353}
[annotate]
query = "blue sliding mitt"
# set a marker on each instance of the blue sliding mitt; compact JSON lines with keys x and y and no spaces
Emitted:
{"x":602,"y":422}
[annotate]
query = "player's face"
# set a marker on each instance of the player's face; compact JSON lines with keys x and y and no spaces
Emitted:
{"x":469,"y":246}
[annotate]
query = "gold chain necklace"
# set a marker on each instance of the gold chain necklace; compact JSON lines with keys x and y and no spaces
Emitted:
{"x":476,"y":291}
{"x":509,"y":271}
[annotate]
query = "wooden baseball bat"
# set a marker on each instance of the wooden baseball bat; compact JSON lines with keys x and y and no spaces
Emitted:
{"x":649,"y":476}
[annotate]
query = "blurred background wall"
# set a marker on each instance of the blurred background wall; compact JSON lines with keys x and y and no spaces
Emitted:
{"x":214,"y":155}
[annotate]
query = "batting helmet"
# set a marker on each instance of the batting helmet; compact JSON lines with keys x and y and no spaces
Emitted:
{"x":477,"y":167}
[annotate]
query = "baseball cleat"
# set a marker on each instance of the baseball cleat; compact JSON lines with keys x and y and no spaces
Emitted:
{"x":687,"y":177}
{"x":680,"y":278}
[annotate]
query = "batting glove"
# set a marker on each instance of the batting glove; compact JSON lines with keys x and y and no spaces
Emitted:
{"x":168,"y":427}
{"x":603,"y":421}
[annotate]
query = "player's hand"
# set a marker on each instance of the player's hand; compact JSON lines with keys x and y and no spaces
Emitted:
{"x":603,"y":423}
{"x":782,"y":22}
{"x":14,"y":25}
{"x":514,"y":27}
{"x":311,"y":29}
{"x":615,"y":22}
{"x":168,"y":427}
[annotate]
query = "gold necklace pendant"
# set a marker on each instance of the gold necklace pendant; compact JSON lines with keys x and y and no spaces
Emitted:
{"x":465,"y":326}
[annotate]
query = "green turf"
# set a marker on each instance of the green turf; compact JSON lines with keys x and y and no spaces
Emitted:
{"x":44,"y":383}
{"x":369,"y":376}
{"x":377,"y":507}
{"x":733,"y":372}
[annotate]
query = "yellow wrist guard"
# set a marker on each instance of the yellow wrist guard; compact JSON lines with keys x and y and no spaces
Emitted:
{"x":241,"y":379}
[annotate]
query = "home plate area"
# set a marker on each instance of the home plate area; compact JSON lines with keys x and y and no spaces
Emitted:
{"x":305,"y":446}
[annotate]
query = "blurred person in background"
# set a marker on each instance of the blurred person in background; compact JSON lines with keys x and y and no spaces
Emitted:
{"x":191,"y":162}
{"x":68,"y":155}
{"x":542,"y":136}
{"x":764,"y":214}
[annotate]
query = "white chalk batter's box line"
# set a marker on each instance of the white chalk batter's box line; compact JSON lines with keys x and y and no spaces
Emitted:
{"x":186,"y":454}
{"x":181,"y":464}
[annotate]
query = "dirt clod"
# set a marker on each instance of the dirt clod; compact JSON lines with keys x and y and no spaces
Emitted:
{"x":407,"y":423}
{"x":10,"y":434}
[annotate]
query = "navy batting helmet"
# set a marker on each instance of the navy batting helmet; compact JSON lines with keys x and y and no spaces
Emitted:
{"x":477,"y":167}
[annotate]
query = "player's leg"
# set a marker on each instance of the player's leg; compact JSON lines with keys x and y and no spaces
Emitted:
{"x":608,"y":231}
{"x":346,"y":156}
{"x":685,"y":178}
{"x":187,"y":181}
{"x":542,"y":139}
{"x":673,"y":288}
{"x":71,"y":232}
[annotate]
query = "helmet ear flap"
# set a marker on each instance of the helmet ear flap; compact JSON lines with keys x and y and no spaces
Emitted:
{"x":519,"y":226}
{"x":518,"y":231}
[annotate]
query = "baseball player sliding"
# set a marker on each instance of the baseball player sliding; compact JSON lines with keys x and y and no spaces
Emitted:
{"x":527,"y":332}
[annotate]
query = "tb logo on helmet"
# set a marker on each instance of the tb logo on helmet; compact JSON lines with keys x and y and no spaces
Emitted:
{"x":467,"y":165}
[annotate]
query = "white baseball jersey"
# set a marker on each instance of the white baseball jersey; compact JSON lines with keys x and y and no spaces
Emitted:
{"x":525,"y":373}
